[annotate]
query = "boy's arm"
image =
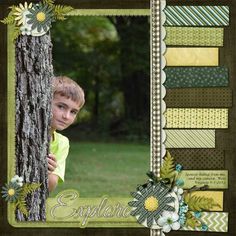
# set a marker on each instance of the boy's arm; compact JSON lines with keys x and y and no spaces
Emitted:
{"x":52,"y":181}
{"x":52,"y":178}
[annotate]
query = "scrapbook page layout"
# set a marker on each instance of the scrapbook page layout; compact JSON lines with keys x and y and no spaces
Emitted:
{"x":120,"y":117}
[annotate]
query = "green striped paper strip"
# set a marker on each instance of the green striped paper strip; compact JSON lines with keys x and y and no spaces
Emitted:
{"x":203,"y":76}
{"x":194,"y":36}
{"x":190,"y":138}
{"x":215,"y":221}
{"x":197,"y":15}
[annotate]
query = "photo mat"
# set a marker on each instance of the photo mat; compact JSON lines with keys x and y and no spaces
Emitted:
{"x":56,"y":221}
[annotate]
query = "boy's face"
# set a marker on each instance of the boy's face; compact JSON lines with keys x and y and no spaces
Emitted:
{"x":64,"y":111}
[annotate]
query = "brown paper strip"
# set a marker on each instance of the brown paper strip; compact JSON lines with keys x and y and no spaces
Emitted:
{"x":199,"y":159}
{"x":199,"y":97}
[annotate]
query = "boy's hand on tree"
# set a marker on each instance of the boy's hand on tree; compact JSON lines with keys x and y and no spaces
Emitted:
{"x":52,"y":163}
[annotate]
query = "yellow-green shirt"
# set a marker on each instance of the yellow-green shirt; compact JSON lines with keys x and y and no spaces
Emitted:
{"x":60,"y":148}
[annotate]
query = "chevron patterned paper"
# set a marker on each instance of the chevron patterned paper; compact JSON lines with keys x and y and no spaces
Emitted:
{"x":190,"y":138}
{"x":216,"y":222}
{"x":194,"y":36}
{"x":197,"y":15}
{"x":211,"y":118}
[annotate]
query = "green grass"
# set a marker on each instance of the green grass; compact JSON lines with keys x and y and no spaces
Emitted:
{"x":113,"y":169}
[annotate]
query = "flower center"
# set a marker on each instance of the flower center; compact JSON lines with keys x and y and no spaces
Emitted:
{"x":11,"y":192}
{"x":41,"y":16}
{"x":169,"y":221}
{"x":151,"y":203}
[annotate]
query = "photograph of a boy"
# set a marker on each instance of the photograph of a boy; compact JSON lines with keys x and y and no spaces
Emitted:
{"x":68,"y":99}
{"x":110,"y":140}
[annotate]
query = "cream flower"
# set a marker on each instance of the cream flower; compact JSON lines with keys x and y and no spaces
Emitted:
{"x":17,"y":180}
{"x":169,"y":221}
{"x":178,"y":191}
{"x":20,"y":12}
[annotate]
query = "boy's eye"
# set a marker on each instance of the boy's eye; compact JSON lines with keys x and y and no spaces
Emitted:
{"x":60,"y":106}
{"x":74,"y":112}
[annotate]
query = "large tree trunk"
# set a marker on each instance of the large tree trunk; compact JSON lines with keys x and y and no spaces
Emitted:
{"x":33,"y":114}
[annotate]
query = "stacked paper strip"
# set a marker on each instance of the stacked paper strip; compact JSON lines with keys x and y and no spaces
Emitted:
{"x":197,"y":15}
{"x":197,"y":118}
{"x":192,"y":56}
{"x":194,"y":36}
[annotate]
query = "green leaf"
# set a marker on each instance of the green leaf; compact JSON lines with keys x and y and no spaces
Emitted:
{"x":16,"y":33}
{"x":152,"y":176}
{"x":26,"y":189}
{"x":191,"y":221}
{"x":48,"y":2}
{"x":29,"y":188}
{"x":60,"y":11}
{"x":168,"y":167}
{"x":8,"y":20}
{"x":21,"y":205}
{"x":197,"y":203}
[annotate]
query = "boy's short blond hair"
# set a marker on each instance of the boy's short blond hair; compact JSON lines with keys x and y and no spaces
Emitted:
{"x":68,"y":88}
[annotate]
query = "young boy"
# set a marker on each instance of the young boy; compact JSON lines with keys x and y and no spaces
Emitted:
{"x":68,"y":99}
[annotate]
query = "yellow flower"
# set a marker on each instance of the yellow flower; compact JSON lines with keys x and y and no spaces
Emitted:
{"x":11,"y":192}
{"x":20,"y":12}
{"x":151,"y":203}
{"x":41,"y":16}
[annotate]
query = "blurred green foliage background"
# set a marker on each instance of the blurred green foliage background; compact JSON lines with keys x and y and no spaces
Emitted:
{"x":109,"y":57}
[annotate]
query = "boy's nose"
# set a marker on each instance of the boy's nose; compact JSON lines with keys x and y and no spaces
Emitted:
{"x":66,"y":115}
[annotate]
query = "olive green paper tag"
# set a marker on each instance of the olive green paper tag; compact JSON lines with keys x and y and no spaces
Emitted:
{"x":105,"y":211}
{"x":215,"y":179}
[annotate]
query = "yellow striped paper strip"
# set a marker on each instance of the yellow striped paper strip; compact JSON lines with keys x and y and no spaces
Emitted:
{"x":190,"y":138}
{"x":211,"y":118}
{"x":192,"y":56}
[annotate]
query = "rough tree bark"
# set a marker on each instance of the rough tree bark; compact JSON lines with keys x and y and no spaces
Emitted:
{"x":33,"y":114}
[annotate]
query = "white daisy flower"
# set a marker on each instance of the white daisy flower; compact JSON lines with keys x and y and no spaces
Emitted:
{"x":20,"y":12}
